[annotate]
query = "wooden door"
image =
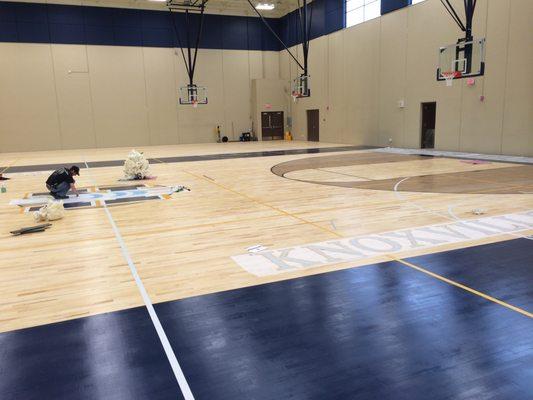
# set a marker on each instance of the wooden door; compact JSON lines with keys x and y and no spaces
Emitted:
{"x":313,"y":125}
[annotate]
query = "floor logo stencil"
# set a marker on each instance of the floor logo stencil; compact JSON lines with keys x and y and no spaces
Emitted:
{"x":360,"y":247}
{"x":98,"y":196}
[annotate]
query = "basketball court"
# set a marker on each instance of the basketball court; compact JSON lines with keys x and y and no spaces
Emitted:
{"x":324,"y":248}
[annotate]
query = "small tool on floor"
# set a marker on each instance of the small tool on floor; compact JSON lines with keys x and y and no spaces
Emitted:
{"x":31,"y":229}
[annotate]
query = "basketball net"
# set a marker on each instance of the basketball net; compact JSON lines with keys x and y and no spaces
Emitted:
{"x":295,"y":96}
{"x":195,"y":104}
{"x":449,"y":76}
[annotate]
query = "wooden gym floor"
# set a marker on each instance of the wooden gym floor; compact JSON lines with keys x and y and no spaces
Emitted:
{"x":383,"y":275}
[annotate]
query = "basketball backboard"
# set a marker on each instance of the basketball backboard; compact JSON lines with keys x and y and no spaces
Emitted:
{"x":193,"y":95}
{"x":461,"y":60}
{"x":301,"y":87}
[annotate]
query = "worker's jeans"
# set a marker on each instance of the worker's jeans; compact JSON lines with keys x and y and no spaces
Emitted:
{"x":60,"y":189}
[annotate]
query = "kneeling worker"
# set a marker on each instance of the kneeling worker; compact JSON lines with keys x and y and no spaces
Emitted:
{"x":61,"y":181}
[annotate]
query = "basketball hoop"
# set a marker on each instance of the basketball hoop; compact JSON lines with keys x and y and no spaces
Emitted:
{"x":449,"y":76}
{"x":301,"y":87}
{"x":295,"y":96}
{"x":193,"y":95}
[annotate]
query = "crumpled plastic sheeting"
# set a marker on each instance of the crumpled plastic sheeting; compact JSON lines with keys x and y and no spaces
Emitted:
{"x":50,"y":212}
{"x":136,"y":166}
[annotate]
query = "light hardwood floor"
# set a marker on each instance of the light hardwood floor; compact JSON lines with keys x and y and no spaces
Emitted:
{"x":183,"y":246}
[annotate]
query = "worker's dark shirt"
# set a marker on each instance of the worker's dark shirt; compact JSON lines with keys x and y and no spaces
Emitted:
{"x":59,"y":176}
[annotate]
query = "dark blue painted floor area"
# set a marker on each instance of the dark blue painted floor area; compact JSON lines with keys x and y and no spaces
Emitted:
{"x":382,"y":331}
{"x":503,"y":270}
{"x":376,"y":332}
{"x":115,"y":356}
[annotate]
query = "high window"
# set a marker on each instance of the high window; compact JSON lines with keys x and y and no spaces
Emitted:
{"x":358,"y":11}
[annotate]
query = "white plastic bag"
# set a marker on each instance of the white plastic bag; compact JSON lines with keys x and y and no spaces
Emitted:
{"x":135,"y":166}
{"x":52,"y":211}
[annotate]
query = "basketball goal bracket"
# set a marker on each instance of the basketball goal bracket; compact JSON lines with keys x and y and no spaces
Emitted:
{"x":466,"y":58}
{"x":190,"y":13}
{"x":300,"y":86}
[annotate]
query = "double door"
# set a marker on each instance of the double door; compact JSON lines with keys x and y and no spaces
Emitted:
{"x":272,"y":125}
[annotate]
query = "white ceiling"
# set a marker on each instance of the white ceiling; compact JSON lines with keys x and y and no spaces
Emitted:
{"x":231,"y":7}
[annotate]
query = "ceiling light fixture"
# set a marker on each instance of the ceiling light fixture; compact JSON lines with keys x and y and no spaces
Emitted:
{"x":265,"y":6}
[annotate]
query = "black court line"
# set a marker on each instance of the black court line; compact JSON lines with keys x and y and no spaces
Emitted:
{"x":131,"y":200}
{"x":120,"y":188}
{"x":380,"y":331}
{"x":66,"y":206}
{"x":116,"y":163}
{"x":77,"y":204}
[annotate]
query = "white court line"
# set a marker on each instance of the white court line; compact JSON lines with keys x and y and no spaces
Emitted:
{"x":450,"y":216}
{"x":172,"y":359}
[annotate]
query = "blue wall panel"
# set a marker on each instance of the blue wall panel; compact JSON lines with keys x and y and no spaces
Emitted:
{"x":8,"y":31}
{"x":235,"y":32}
{"x":69,"y":24}
{"x":254,"y":28}
{"x":67,"y":33}
{"x":335,"y":21}
{"x":97,"y":16}
{"x":269,"y":41}
{"x":388,"y":6}
{"x":155,"y":37}
{"x":128,"y":36}
{"x":65,"y":15}
{"x":326,"y":16}
{"x":99,"y":35}
{"x":318,"y":18}
{"x":212,"y":34}
{"x":33,"y":32}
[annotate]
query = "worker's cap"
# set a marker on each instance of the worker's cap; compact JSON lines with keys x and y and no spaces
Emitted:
{"x":75,"y":170}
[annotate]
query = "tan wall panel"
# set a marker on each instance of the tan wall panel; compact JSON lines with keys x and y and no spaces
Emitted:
{"x":256,"y":64}
{"x":392,"y":78}
{"x":237,"y":93}
{"x":119,"y":96}
{"x":518,"y":118}
{"x":162,"y":95}
{"x":271,"y":64}
{"x":28,"y":103}
{"x":334,"y":111}
{"x":361,"y":72}
{"x":72,"y":78}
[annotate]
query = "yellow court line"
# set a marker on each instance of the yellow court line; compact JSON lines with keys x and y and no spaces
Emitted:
{"x":461,"y":286}
{"x":265,"y":204}
{"x":9,"y":166}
